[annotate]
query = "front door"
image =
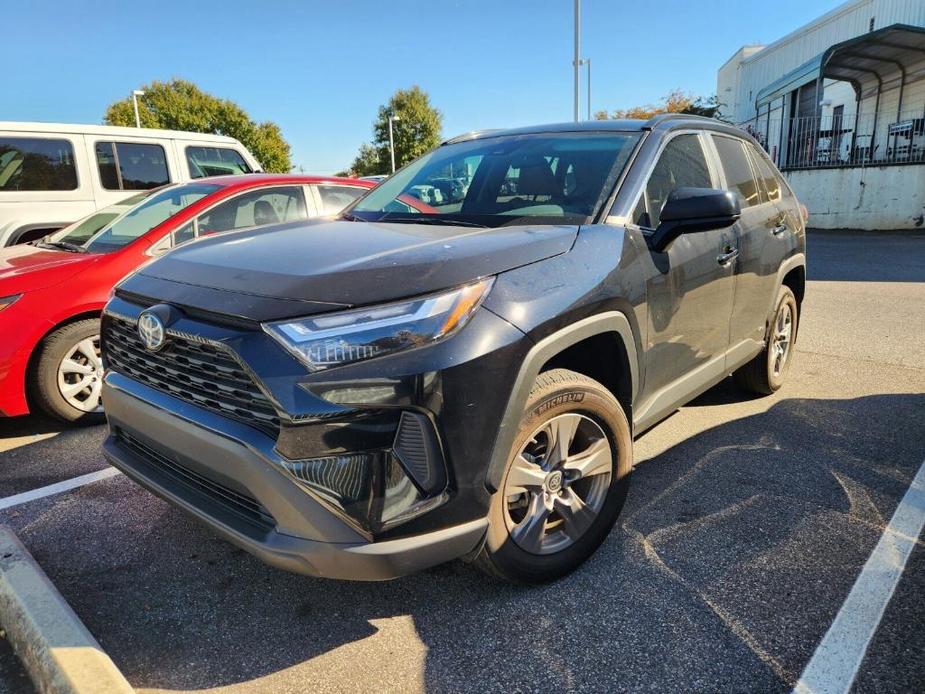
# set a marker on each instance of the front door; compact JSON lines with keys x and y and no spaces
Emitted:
{"x":689,"y":288}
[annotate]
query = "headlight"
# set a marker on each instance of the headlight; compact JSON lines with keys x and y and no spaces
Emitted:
{"x":8,"y":300}
{"x":335,"y":339}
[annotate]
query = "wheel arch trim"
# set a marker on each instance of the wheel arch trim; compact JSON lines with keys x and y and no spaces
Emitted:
{"x":540,"y":354}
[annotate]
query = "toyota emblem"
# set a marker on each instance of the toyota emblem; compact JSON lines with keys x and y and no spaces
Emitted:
{"x":151,"y":331}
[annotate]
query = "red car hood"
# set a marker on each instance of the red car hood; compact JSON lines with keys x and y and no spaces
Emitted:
{"x":24,"y":268}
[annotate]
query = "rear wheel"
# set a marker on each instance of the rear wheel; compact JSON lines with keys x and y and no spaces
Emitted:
{"x":765,"y":373}
{"x":565,"y":482}
{"x":68,"y":376}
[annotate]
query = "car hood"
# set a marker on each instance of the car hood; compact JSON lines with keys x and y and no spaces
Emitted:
{"x":24,"y":268}
{"x":333,"y":264}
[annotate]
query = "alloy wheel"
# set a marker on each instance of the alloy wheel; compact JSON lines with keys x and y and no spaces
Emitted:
{"x":80,"y":376}
{"x":557,"y":483}
{"x":781,"y":340}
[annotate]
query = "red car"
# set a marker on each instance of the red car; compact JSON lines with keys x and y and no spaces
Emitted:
{"x":52,"y":291}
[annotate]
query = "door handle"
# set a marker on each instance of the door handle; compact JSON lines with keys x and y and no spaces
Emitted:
{"x":780,"y":229}
{"x":728,"y":255}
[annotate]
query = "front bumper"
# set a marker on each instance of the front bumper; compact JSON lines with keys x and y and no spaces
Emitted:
{"x":265,"y":484}
{"x":232,"y":484}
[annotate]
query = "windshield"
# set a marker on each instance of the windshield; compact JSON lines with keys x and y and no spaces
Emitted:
{"x":138,"y":221}
{"x":548,"y":178}
{"x":80,"y":232}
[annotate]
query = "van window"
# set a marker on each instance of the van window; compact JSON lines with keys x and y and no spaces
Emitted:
{"x":739,"y":177}
{"x":131,"y":166}
{"x":681,"y":164}
{"x":215,"y":161}
{"x":33,"y":163}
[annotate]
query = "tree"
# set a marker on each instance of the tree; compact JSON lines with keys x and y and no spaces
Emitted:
{"x":181,"y":105}
{"x":676,"y":101}
{"x":416,"y":131}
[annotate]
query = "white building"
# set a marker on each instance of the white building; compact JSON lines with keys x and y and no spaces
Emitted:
{"x":839,"y":104}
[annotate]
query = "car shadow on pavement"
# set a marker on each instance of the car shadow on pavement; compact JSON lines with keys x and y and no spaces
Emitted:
{"x":734,"y":552}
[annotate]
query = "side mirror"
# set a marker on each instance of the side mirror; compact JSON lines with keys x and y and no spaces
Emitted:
{"x":690,"y":210}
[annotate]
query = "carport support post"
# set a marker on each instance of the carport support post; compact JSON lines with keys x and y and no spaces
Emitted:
{"x":576,"y":63}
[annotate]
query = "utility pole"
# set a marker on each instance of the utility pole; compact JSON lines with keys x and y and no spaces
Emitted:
{"x":576,"y":63}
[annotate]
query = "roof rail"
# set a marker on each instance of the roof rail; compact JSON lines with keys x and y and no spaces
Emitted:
{"x":662,"y":117}
{"x":471,"y":135}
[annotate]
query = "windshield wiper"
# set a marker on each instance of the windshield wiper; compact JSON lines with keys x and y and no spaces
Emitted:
{"x":442,"y":221}
{"x":63,"y":245}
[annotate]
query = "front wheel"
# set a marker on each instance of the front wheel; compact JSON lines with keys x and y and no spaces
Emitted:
{"x":68,"y":375}
{"x":565,"y":482}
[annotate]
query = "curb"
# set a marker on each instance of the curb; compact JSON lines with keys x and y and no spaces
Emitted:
{"x":55,"y":647}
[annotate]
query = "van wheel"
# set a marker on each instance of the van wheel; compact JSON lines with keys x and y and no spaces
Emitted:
{"x":765,"y":373}
{"x":68,"y":374}
{"x":565,"y":482}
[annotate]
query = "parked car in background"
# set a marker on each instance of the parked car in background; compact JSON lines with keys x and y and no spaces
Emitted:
{"x":52,"y":174}
{"x":408,"y":387}
{"x":52,"y":290}
{"x":377,"y":178}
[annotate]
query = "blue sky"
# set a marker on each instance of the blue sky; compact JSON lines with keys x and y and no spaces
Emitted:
{"x":320,"y":69}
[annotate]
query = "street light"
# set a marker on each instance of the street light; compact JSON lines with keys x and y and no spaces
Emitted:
{"x":135,"y":94}
{"x":392,"y":140}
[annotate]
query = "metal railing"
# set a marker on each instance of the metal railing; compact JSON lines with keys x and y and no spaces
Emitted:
{"x":842,"y":139}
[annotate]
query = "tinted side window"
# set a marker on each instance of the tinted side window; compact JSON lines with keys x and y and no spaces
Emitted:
{"x":682,"y":164}
{"x":336,"y":198}
{"x":256,"y":208}
{"x":771,"y":182}
{"x":131,"y":166}
{"x":739,"y":177}
{"x":215,"y":161}
{"x":32,"y":163}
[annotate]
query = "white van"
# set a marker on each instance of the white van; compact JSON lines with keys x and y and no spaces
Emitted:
{"x":52,"y":174}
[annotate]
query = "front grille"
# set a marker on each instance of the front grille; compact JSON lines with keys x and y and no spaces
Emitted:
{"x":199,"y":373}
{"x":243,"y":506}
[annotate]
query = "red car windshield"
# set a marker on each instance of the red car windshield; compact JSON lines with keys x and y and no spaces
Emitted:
{"x":154,"y":209}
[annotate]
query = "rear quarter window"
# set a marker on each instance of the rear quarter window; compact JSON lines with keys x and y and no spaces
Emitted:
{"x":34,"y":163}
{"x":215,"y":161}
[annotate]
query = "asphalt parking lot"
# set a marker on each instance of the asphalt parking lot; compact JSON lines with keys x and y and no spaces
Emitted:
{"x":747,"y":523}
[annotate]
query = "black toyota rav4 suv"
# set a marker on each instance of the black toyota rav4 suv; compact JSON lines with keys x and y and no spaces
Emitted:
{"x":408,"y":383}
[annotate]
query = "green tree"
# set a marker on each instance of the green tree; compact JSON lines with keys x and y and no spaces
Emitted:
{"x":676,"y":101}
{"x":181,"y":105}
{"x":416,"y":131}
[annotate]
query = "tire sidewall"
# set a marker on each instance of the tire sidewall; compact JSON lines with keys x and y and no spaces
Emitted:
{"x":45,"y":389}
{"x":584,"y":397}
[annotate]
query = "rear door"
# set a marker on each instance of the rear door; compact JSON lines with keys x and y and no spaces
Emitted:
{"x":756,"y":266}
{"x":689,"y":286}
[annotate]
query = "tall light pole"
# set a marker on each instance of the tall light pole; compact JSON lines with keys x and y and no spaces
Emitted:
{"x":392,"y":140}
{"x":576,"y":63}
{"x":587,"y":61}
{"x":135,"y":94}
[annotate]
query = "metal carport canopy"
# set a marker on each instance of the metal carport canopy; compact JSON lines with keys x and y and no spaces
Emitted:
{"x":883,"y":59}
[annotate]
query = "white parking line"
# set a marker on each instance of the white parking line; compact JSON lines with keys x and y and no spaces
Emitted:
{"x":838,"y":657}
{"x":57,"y":488}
